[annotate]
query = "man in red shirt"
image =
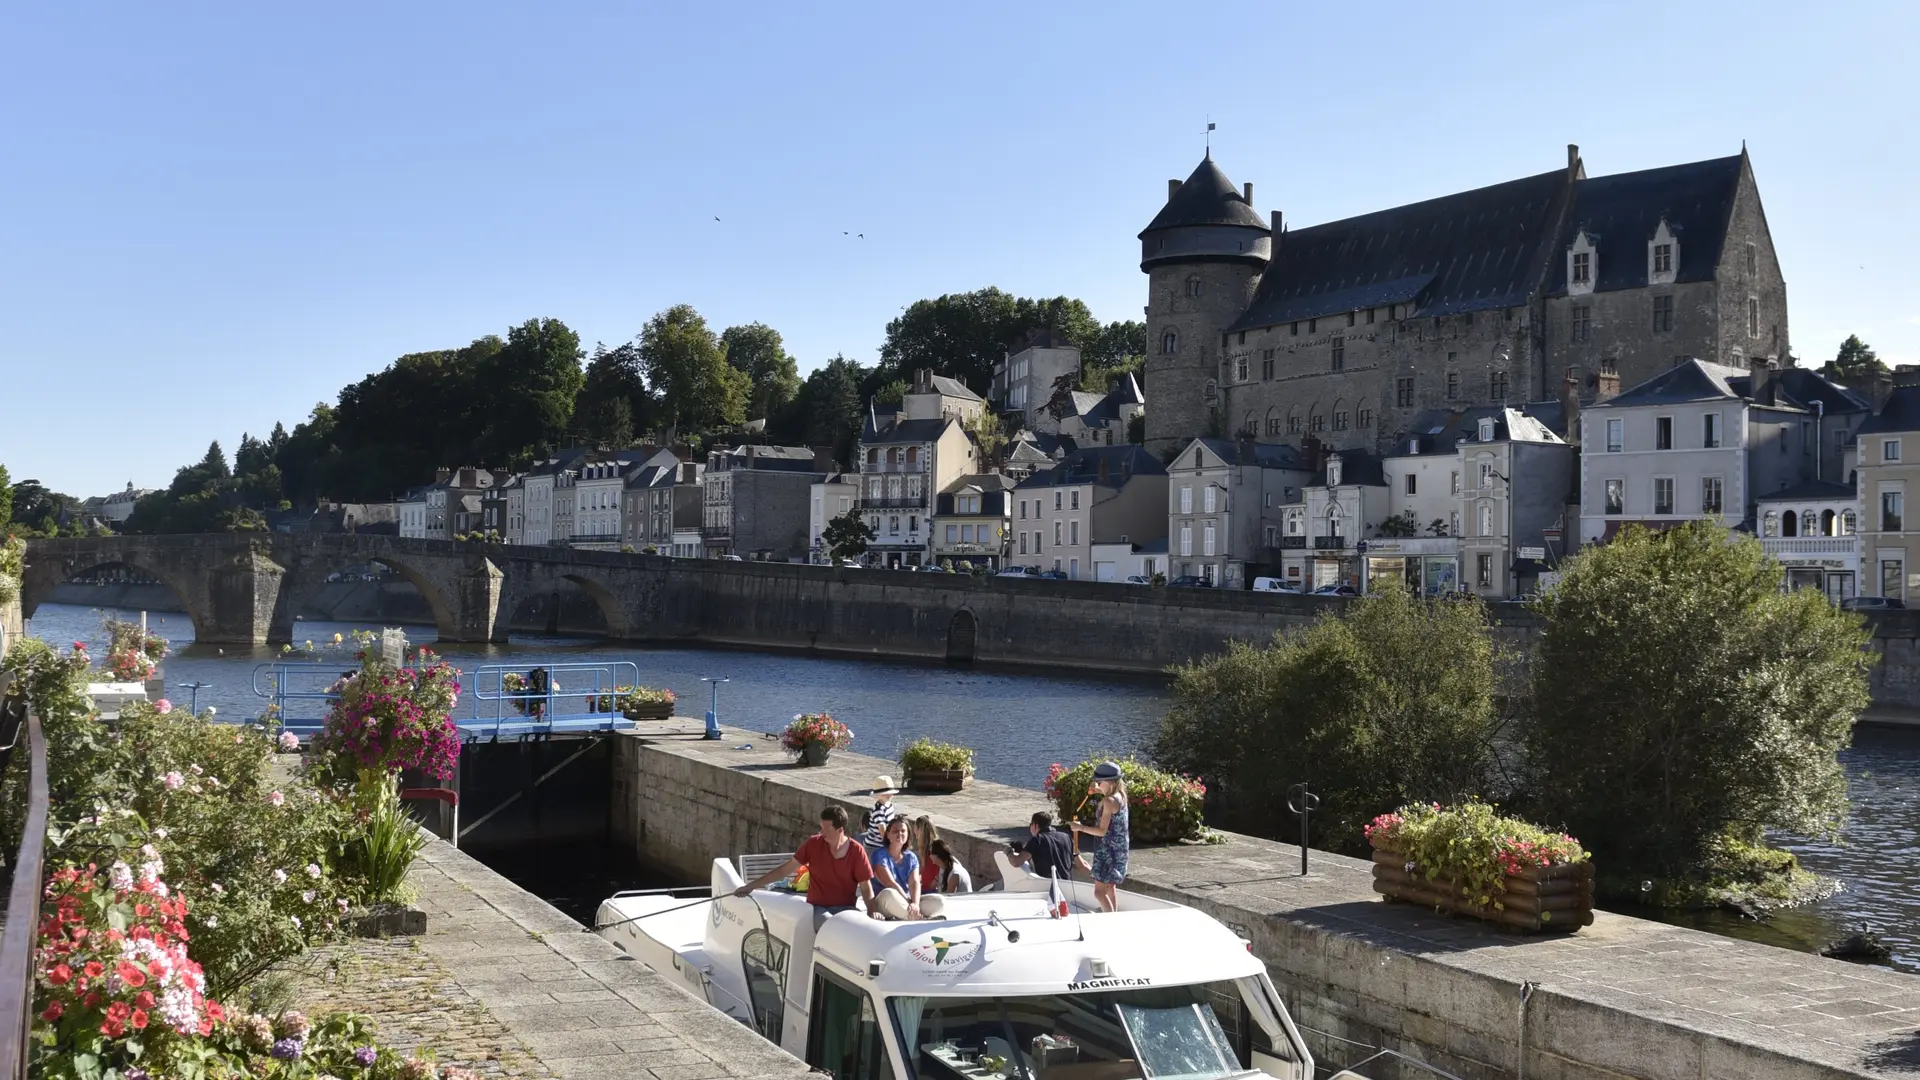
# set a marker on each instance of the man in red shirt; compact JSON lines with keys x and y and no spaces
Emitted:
{"x":837,"y":867}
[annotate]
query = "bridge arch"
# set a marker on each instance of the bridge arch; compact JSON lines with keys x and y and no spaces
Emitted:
{"x":300,"y":588}
{"x":46,"y":572}
{"x":962,"y":635}
{"x":539,"y":585}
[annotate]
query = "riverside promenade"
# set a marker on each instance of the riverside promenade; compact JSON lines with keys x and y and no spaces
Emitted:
{"x":1623,"y":998}
{"x":505,"y":984}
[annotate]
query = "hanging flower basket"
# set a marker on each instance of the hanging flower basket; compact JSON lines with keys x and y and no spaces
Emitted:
{"x":636,"y":703}
{"x":1467,"y":860}
{"x":813,"y":736}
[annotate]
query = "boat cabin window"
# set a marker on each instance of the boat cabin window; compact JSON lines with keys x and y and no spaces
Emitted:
{"x":844,"y":1036}
{"x":1140,"y":1033}
{"x":765,"y":960}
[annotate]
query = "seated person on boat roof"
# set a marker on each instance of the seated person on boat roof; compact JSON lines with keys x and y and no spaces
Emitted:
{"x":896,"y":868}
{"x":1044,"y":851}
{"x":836,"y":865}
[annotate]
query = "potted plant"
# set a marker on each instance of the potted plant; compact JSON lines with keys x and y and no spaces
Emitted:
{"x":1471,"y":861}
{"x":814,"y":736}
{"x":635,"y":703}
{"x":936,"y":766}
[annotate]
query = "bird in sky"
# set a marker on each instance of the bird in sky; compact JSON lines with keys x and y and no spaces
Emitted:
{"x":716,"y":217}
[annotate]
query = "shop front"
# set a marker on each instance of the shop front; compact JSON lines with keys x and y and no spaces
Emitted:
{"x":1424,"y":566}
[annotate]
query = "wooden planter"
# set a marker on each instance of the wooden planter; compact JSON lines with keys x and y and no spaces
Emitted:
{"x":938,"y":780}
{"x":1555,"y":899}
{"x":649,"y":710}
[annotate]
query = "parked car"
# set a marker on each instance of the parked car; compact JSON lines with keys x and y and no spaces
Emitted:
{"x":934,"y":568}
{"x":1053,"y":575}
{"x":1019,"y":571}
{"x":1336,"y":590}
{"x":1138,"y":579}
{"x":1871,"y":603}
{"x":1190,"y":581}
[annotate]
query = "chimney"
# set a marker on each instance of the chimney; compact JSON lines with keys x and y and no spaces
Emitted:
{"x":1311,"y":449}
{"x":1103,"y":469}
{"x":1278,"y":222}
{"x":1606,"y":383}
{"x":1245,"y":446}
{"x":1246,"y":192}
{"x":1573,"y":156}
{"x":1882,"y":390}
{"x":753,"y":454}
{"x":1760,"y":381}
{"x":1173,"y":188}
{"x":1570,"y":403}
{"x":440,"y":474}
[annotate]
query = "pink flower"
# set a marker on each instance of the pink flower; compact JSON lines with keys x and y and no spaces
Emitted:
{"x":163,"y":706}
{"x":276,"y":798}
{"x":289,"y":741}
{"x":173,"y":780}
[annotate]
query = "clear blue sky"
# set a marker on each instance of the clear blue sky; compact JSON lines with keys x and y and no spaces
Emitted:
{"x":213,"y":216}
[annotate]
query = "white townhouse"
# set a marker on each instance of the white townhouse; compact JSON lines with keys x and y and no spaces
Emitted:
{"x":1225,"y":506}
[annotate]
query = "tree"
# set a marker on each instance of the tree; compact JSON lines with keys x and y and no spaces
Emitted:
{"x":988,"y":435}
{"x":527,"y":391}
{"x":6,"y":501}
{"x":688,"y":373}
{"x":1684,"y":706}
{"x":215,"y":463}
{"x":1391,"y":703}
{"x":964,"y":334}
{"x":828,"y":411}
{"x":1855,"y":364}
{"x":847,"y":536}
{"x":1137,"y":428}
{"x":755,"y":350}
{"x":613,"y":402}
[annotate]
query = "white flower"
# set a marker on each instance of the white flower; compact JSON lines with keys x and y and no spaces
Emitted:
{"x":173,"y":780}
{"x":279,"y":877}
{"x":211,"y":921}
{"x":161,"y":832}
{"x":195,"y":769}
{"x":296,"y":921}
{"x":289,"y":741}
{"x":276,"y":798}
{"x":341,"y":903}
{"x":120,"y":876}
{"x":313,"y":871}
{"x":218,"y":889}
{"x":307,"y":897}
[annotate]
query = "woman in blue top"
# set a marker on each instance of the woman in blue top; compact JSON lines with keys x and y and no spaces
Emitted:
{"x":1110,"y":856}
{"x":896,"y":875}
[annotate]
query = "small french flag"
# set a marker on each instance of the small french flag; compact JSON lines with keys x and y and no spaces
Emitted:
{"x":1056,"y":898}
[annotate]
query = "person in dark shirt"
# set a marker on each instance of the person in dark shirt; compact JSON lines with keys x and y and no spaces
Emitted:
{"x":1045,"y":851}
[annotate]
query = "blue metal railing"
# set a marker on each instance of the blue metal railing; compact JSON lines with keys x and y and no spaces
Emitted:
{"x":576,"y":698}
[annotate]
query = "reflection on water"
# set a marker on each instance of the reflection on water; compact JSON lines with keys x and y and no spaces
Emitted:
{"x":1020,"y":721}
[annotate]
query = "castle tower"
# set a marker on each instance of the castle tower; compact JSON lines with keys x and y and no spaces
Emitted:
{"x":1203,"y":255}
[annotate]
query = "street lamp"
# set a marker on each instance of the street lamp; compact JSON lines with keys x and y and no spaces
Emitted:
{"x":193,"y":703}
{"x":713,"y":706}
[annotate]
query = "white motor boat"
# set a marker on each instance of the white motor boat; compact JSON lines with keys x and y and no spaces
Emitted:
{"x":1001,"y":987}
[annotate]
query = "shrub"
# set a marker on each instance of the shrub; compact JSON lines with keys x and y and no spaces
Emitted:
{"x":374,"y":858}
{"x":1471,"y":845}
{"x":1161,"y":806}
{"x":924,"y":753}
{"x":1391,"y":702}
{"x":389,"y":719}
{"x":132,"y":654}
{"x":816,"y":729}
{"x":1682,"y":700}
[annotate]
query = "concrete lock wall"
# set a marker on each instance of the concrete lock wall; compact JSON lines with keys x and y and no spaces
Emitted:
{"x":1624,"y":998}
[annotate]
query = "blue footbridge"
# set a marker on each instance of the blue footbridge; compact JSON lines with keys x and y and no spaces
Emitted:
{"x":500,"y":702}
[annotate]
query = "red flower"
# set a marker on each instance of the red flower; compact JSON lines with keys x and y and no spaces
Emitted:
{"x":94,"y":970}
{"x":53,"y":1011}
{"x":139,"y":1019}
{"x":60,"y":975}
{"x":92,"y":1000}
{"x":144,"y":999}
{"x":130,"y":973}
{"x":112,"y":1028}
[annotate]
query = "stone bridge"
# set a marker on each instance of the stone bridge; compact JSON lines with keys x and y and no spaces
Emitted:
{"x":245,"y":588}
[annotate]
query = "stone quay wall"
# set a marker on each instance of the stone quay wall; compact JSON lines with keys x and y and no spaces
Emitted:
{"x":1624,"y":998}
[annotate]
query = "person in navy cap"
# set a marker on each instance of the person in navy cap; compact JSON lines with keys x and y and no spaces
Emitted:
{"x":1110,"y":853}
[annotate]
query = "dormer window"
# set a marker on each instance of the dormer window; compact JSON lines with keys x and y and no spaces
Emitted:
{"x":1663,"y":255}
{"x":1333,"y":473}
{"x":1582,"y":256}
{"x":1486,"y":429}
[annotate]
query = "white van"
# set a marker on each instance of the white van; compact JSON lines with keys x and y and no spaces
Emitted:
{"x":1273,"y":584}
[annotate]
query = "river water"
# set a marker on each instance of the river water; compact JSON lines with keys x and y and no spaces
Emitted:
{"x":1021,"y":720}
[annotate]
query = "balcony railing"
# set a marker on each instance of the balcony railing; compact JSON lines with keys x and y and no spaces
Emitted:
{"x":1329,"y":543}
{"x":912,"y":502}
{"x":1810,"y":545}
{"x":21,"y":732}
{"x":1292,"y":543}
{"x":594,"y":538}
{"x":715,"y":532}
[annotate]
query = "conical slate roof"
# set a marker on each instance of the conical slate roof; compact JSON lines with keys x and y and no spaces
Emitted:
{"x":1207,"y":198}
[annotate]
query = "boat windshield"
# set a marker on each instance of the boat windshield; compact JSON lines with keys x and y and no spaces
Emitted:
{"x":1199,"y":1032}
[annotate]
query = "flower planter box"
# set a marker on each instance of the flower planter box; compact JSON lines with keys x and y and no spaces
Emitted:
{"x":652,"y":710}
{"x":1554,"y":899}
{"x":815,"y":754}
{"x":938,"y":780}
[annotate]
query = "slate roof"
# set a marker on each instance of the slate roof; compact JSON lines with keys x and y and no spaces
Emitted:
{"x":1902,"y":413}
{"x":954,"y":388}
{"x":983,"y":481}
{"x":1083,"y":467}
{"x":1264,"y":455}
{"x":1621,"y":212}
{"x":1804,"y":386}
{"x":1689,"y":380}
{"x":653,"y":476}
{"x":893,"y":431}
{"x":1356,"y":467}
{"x":1207,"y":198}
{"x":1463,"y":252}
{"x":1814,"y":490}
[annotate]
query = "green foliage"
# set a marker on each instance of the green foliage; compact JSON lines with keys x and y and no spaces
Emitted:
{"x":6,"y":499}
{"x":890,"y":395}
{"x":925,"y":753}
{"x":989,"y":434}
{"x":1399,"y":525}
{"x":847,"y":536}
{"x":1681,"y":698}
{"x":1472,"y":846}
{"x":13,"y":563}
{"x":38,"y":511}
{"x":376,"y":852}
{"x":613,"y":404}
{"x":1855,"y":364}
{"x":828,"y":411}
{"x":756,"y":351}
{"x":688,"y":373}
{"x":1137,"y":428}
{"x":963,"y":334}
{"x":1098,"y":378}
{"x":1161,"y":806}
{"x":1392,"y":703}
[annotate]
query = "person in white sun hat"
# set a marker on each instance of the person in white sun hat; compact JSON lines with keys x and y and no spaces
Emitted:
{"x":874,"y":837}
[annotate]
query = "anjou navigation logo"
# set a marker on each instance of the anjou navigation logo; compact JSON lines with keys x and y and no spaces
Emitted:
{"x":940,"y":951}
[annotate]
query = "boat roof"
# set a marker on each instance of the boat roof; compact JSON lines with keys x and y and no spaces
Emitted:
{"x":971,"y":951}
